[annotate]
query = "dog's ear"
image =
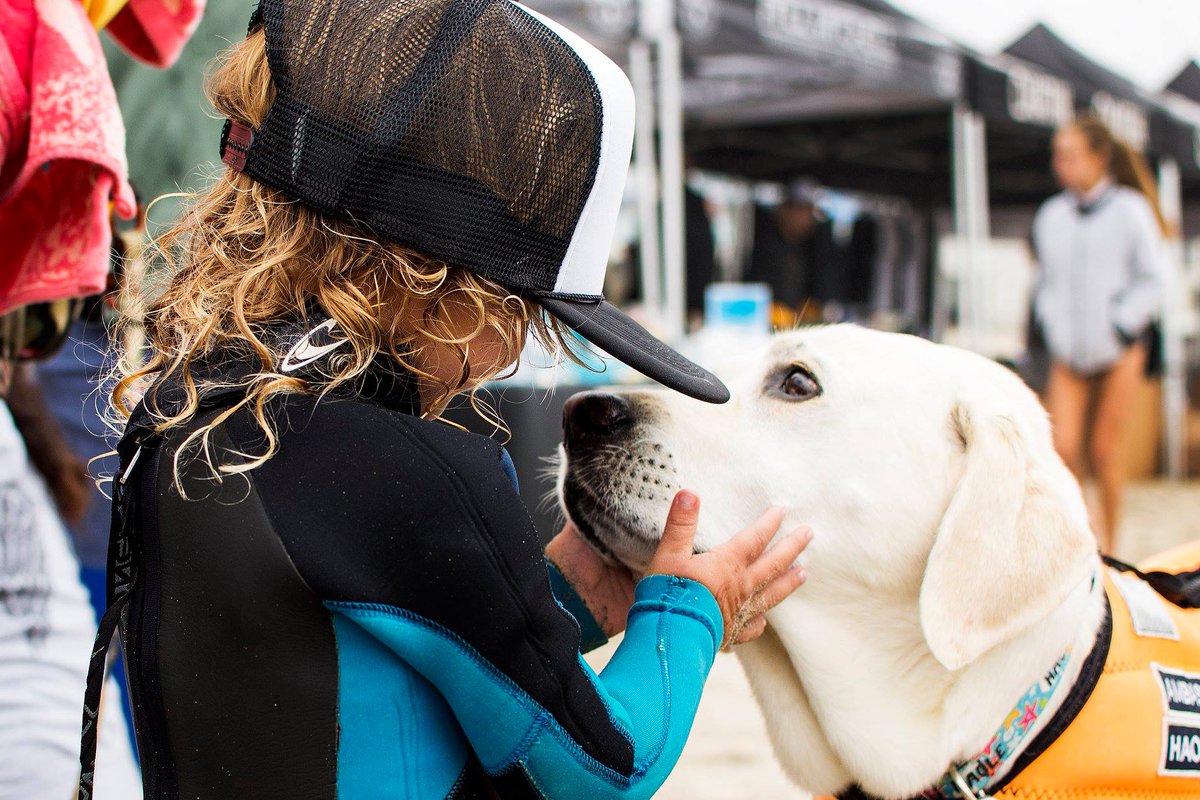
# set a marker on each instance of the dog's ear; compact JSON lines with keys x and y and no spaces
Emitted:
{"x":1012,"y":545}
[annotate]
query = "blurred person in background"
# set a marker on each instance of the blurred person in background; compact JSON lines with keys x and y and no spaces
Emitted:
{"x":700,"y":253}
{"x":46,"y":621}
{"x":1098,"y":291}
{"x":71,"y":385}
{"x":70,"y":380}
{"x":62,"y":174}
{"x":794,"y":253}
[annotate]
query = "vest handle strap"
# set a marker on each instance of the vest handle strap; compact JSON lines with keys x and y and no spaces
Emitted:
{"x":1181,"y":588}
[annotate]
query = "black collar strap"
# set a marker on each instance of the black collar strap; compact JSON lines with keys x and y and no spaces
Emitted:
{"x":1180,"y":588}
{"x":1074,"y":702}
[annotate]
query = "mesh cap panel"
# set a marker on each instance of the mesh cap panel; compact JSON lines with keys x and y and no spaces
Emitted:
{"x":465,"y":129}
{"x":473,"y":131}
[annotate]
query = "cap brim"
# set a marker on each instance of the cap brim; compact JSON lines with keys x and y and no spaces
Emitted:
{"x":603,"y":324}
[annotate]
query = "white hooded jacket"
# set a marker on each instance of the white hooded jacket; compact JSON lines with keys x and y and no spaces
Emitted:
{"x":1100,"y":274}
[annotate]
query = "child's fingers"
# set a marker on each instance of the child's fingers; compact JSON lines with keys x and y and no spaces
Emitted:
{"x":778,"y":590}
{"x":679,"y":533}
{"x":749,"y":544}
{"x":781,"y":555}
{"x":753,"y":629}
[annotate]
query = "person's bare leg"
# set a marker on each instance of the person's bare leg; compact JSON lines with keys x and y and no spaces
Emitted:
{"x":1067,"y":401}
{"x":1118,"y":389}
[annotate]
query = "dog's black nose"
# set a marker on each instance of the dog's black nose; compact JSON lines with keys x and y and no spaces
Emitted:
{"x":594,"y":415}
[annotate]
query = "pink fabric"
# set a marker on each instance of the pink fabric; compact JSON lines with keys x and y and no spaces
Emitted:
{"x":62,"y":154}
{"x":155,"y":31}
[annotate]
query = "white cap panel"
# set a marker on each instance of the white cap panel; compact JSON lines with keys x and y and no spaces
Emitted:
{"x":583,"y":267}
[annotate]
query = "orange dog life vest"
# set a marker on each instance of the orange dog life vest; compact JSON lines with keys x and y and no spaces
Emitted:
{"x":1138,"y":735}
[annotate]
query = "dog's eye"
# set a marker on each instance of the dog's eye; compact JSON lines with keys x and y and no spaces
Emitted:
{"x":800,"y":384}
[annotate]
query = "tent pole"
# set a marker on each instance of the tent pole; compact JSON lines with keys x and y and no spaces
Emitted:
{"x":977,"y":185}
{"x":971,"y":224}
{"x":1174,"y":398}
{"x":964,"y":260}
{"x":649,"y":243}
{"x":670,"y":132}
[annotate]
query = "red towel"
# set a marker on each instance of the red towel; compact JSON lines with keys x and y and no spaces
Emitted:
{"x":62,"y":142}
{"x":155,"y":31}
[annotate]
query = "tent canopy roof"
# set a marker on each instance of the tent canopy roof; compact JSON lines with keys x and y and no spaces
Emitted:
{"x":1187,"y":82}
{"x":748,"y":62}
{"x":1042,"y":46}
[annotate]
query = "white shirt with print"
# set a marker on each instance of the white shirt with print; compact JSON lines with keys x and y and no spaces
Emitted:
{"x":47,"y":627}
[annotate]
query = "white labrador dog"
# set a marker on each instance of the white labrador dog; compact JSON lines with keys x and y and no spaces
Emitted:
{"x":952,"y":559}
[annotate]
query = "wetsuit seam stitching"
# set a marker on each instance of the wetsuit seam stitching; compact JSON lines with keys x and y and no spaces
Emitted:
{"x":466,"y":499}
{"x":355,"y":610}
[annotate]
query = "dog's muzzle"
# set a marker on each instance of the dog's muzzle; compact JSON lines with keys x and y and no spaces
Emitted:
{"x":594,"y":418}
{"x":615,"y":483}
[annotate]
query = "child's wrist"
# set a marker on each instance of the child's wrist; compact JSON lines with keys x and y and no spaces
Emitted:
{"x":605,"y":589}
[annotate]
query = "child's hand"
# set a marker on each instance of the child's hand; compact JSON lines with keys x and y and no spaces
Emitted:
{"x":746,"y":581}
{"x":606,"y":589}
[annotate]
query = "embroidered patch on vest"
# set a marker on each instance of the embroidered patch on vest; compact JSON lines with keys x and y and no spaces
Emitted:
{"x":1147,"y":608}
{"x":1180,"y":690}
{"x":1181,"y":750}
{"x":1181,"y":721}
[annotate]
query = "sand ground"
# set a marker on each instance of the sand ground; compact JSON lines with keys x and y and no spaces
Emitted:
{"x":728,"y":756}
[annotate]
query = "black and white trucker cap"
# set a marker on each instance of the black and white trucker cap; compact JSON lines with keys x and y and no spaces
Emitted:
{"x":476,"y":132}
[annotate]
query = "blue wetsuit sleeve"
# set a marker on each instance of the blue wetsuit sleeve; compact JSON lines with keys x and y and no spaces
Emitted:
{"x":590,"y":634}
{"x":436,"y":558}
{"x":650,"y":689}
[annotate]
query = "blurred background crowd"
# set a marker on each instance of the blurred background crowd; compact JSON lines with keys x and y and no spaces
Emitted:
{"x":893,"y":164}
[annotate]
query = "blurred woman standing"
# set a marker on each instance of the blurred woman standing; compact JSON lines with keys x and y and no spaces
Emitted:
{"x":1099,"y":248}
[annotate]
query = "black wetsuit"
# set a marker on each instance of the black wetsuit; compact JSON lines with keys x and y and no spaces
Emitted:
{"x":368,"y":614}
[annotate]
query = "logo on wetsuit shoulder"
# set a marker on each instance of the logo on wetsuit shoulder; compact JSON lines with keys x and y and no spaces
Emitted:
{"x":1180,"y":690}
{"x":312,"y":346}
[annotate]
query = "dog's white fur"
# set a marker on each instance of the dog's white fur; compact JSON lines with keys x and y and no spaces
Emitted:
{"x":952,"y":559}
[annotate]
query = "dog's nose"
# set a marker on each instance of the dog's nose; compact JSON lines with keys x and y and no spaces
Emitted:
{"x":594,"y":415}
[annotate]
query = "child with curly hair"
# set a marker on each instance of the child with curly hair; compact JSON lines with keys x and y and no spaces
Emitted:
{"x":325,"y":591}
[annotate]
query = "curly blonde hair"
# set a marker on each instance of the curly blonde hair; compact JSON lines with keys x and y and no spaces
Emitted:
{"x":243,"y":255}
